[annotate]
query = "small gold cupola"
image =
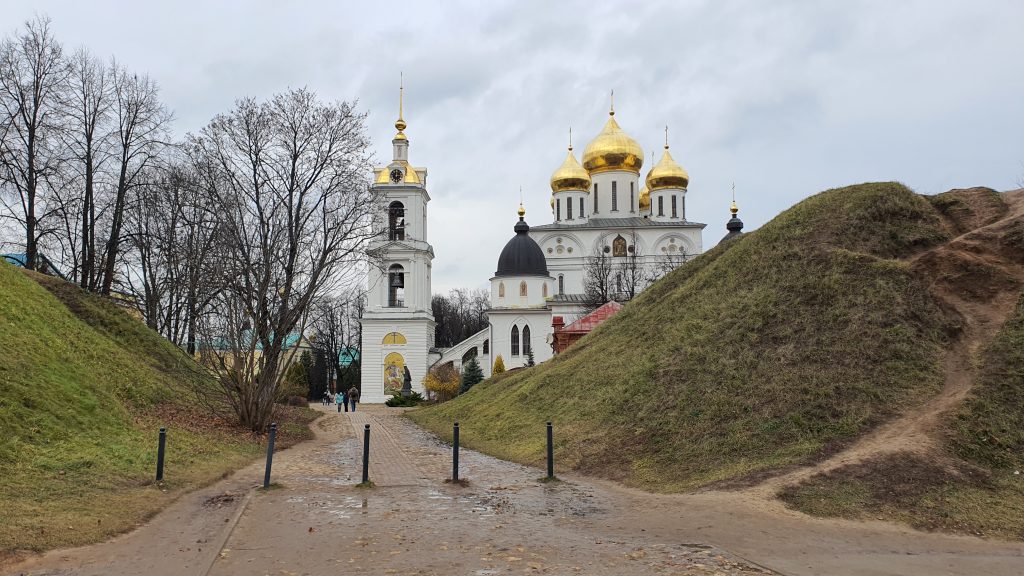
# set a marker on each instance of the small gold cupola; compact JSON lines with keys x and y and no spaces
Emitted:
{"x":667,"y":173}
{"x":570,"y":175}
{"x":645,"y":199}
{"x":613,"y":149}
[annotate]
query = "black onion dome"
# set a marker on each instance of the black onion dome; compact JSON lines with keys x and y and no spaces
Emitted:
{"x":522,"y":256}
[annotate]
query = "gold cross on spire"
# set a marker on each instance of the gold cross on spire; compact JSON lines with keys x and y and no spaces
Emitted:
{"x":611,"y":111}
{"x":666,"y":137}
{"x":570,"y":138}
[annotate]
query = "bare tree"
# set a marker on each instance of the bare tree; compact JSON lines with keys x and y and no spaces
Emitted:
{"x":459,"y":315}
{"x":598,"y":279}
{"x":335,"y":320}
{"x":290,"y":182}
{"x":140,"y":135}
{"x":629,"y":273}
{"x":32,"y":71}
{"x":86,"y":105}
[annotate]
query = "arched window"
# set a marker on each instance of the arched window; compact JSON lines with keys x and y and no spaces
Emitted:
{"x":568,"y":208}
{"x":396,"y":221}
{"x":544,"y":290}
{"x":515,"y":340}
{"x":561,"y":284}
{"x":595,"y":197}
{"x":581,"y":207}
{"x":615,"y":197}
{"x":522,"y":288}
{"x":487,"y":346}
{"x":661,"y":205}
{"x":558,"y":209}
{"x":673,"y":205}
{"x":501,"y":289}
{"x":396,"y":286}
{"x":619,"y":246}
{"x":526,"y":340}
{"x":632,"y":195}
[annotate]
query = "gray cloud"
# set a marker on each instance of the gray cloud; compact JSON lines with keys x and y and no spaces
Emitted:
{"x":784,"y":98}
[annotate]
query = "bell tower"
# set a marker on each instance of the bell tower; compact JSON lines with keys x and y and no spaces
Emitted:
{"x":398,"y":324}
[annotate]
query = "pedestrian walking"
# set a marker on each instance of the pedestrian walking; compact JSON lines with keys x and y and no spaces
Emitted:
{"x":353,"y":397}
{"x":340,"y":400}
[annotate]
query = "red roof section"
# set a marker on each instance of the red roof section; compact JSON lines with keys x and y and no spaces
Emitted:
{"x":594,"y":319}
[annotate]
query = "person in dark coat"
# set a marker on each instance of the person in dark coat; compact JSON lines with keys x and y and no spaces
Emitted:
{"x":353,"y":397}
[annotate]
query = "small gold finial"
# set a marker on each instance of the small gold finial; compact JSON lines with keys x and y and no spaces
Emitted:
{"x":400,"y":123}
{"x":570,"y":138}
{"x":521,"y":211}
{"x":611,"y":110}
{"x":733,"y":208}
{"x":666,"y":137}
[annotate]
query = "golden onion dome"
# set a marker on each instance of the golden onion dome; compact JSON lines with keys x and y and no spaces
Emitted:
{"x":570,"y":176}
{"x":645,"y":199}
{"x":613,"y":149}
{"x":667,"y":174}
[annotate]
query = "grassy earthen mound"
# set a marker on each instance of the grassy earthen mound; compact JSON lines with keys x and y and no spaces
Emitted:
{"x":773,"y":350}
{"x":84,"y":389}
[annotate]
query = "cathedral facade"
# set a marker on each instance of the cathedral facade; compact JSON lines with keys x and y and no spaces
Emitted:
{"x":609,"y":229}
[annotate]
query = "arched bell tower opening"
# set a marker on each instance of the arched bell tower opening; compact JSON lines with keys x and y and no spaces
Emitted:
{"x":396,"y":221}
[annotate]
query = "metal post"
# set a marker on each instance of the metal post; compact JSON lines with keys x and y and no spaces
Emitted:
{"x":160,"y":455}
{"x":455,"y":453}
{"x":551,"y":454}
{"x":366,"y":453}
{"x":270,"y":454}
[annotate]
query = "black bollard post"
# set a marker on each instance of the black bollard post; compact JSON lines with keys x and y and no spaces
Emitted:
{"x":366,"y":453}
{"x":160,"y":455}
{"x":551,"y":454}
{"x":270,"y":454}
{"x":455,"y":453}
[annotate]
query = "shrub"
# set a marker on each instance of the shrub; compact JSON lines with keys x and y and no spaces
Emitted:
{"x":443,"y":381}
{"x":499,"y":366}
{"x":413,"y":399}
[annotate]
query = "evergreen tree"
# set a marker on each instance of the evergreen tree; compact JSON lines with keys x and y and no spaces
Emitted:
{"x":471,"y":375}
{"x":529,"y":358}
{"x":499,"y":366}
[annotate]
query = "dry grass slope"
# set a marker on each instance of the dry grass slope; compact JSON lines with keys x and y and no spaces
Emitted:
{"x":773,"y":350}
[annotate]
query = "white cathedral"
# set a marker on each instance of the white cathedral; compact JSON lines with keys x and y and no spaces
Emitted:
{"x":598,"y":210}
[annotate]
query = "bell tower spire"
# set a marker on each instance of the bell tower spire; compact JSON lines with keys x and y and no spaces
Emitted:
{"x":400,"y":143}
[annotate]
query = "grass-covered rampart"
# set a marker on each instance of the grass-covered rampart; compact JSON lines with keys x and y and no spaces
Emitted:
{"x":84,"y":389}
{"x":768,"y":351}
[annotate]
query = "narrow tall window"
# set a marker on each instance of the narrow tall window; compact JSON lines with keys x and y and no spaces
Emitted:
{"x":568,"y":208}
{"x":558,"y":209}
{"x":396,"y":221}
{"x":595,"y":197}
{"x":522,"y":288}
{"x":526,"y":340}
{"x":673,"y":205}
{"x":396,"y":286}
{"x":581,"y":207}
{"x":632,"y":198}
{"x":661,"y":205}
{"x":515,"y":340}
{"x":561,"y":284}
{"x":501,"y":289}
{"x":615,"y":197}
{"x":487,"y":346}
{"x":544,"y":290}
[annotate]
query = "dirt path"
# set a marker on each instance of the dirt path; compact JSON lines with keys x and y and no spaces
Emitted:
{"x":503,"y":522}
{"x":920,"y":431}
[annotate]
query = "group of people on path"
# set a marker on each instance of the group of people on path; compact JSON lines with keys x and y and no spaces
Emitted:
{"x":347,"y":399}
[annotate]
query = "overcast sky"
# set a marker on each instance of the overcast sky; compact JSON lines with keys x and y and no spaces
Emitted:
{"x":783,"y":98}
